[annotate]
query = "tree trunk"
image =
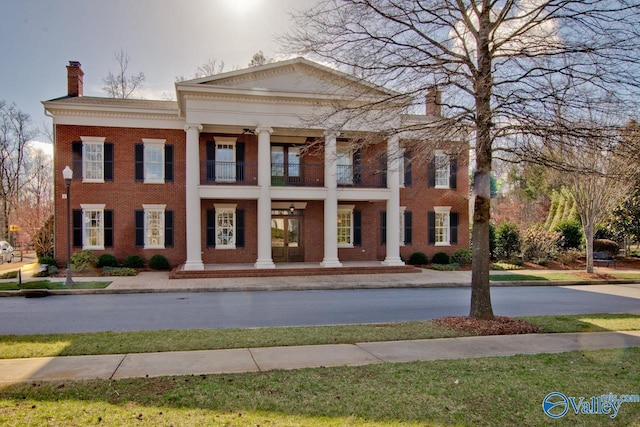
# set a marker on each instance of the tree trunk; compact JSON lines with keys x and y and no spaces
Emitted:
{"x":587,"y":224}
{"x":480,"y":286}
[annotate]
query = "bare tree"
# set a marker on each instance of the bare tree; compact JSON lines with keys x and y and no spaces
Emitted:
{"x":15,"y":132}
{"x":209,"y":68}
{"x":120,"y":85}
{"x":493,"y":60}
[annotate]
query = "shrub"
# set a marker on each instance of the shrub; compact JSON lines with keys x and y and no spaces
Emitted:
{"x":9,"y":275}
{"x":507,"y":240}
{"x":81,"y":261}
{"x":133,"y":261}
{"x":440,"y":258}
{"x":539,"y":245}
{"x":568,"y":256}
{"x":107,"y":260}
{"x":462,"y":256}
{"x":445,"y":267}
{"x":418,"y":258}
{"x":47,"y":260}
{"x":159,"y":262}
{"x":571,"y":235}
{"x":119,"y":271}
{"x":606,"y":245}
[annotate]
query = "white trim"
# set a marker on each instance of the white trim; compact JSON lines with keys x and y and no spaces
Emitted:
{"x":342,"y":209}
{"x":92,"y":208}
{"x":221,"y":208}
{"x":443,"y":210}
{"x":92,"y":141}
{"x":442,"y":153}
{"x":147,"y":210}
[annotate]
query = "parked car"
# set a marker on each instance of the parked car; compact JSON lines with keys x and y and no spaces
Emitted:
{"x":6,"y":252}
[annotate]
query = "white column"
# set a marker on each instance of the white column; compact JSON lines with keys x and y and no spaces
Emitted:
{"x":194,"y":232}
{"x":393,"y":203}
{"x":264,"y":199}
{"x":330,"y":203}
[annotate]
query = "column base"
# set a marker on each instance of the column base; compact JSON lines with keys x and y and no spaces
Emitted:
{"x":393,"y":262}
{"x":331,"y":263}
{"x":193,"y":266}
{"x":264,"y":264}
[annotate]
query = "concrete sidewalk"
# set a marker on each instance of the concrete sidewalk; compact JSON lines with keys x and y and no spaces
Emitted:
{"x":202,"y":362}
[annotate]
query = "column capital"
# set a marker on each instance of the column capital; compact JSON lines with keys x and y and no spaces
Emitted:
{"x":261,"y":129}
{"x":196,"y":126}
{"x":331,"y":133}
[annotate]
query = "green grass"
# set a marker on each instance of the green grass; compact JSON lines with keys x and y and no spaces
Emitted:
{"x":500,"y":391}
{"x":46,"y":284}
{"x":20,"y":346}
{"x":625,"y":275}
{"x":516,"y":277}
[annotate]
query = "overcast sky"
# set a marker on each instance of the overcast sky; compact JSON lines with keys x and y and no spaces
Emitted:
{"x":164,"y":39}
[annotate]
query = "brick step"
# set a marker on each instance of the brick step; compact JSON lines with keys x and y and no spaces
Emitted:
{"x":179,"y":273}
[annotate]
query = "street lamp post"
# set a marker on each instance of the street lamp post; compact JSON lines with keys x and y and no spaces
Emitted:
{"x":67,"y":174}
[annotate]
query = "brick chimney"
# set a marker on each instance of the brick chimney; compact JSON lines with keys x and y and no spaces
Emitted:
{"x":434,"y":101}
{"x":74,"y":79}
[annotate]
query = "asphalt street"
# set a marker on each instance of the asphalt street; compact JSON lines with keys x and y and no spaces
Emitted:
{"x":91,"y":313}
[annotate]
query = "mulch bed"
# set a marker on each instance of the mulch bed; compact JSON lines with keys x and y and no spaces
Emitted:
{"x":500,"y":325}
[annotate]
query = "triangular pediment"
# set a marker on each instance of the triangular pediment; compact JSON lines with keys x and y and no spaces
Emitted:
{"x":297,"y":75}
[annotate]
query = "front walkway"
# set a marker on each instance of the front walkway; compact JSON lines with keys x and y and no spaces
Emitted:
{"x":202,"y":362}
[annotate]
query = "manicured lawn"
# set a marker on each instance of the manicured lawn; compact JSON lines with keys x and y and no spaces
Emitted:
{"x":18,"y":346}
{"x":626,"y":275}
{"x":515,"y":277}
{"x":505,"y":391}
{"x":46,"y":284}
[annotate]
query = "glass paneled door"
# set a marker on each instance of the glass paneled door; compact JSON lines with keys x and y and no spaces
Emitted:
{"x":286,"y":238}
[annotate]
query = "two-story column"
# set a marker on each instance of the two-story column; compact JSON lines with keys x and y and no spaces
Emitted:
{"x":330,"y":202}
{"x":192,"y":168}
{"x":393,"y":203}
{"x":264,"y":199}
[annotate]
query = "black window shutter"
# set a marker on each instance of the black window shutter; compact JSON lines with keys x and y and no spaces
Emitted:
{"x":240,"y":162}
{"x":383,"y":169}
{"x":139,"y":233}
{"x":168,"y":229}
{"x":211,"y":160}
{"x":76,"y":149}
{"x":77,"y":228}
{"x":357,"y":166}
{"x":211,"y":228}
{"x":383,"y":226}
{"x":431,"y":173}
{"x":453,"y":172}
{"x":408,"y":217}
{"x":139,"y":162}
{"x":108,"y":228}
{"x":168,"y":163}
{"x":431,"y":221}
{"x":453,"y":224}
{"x":357,"y":228}
{"x":407,"y":169}
{"x":240,"y":228}
{"x":108,"y":161}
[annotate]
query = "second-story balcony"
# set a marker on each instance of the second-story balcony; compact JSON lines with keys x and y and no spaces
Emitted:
{"x":230,"y":173}
{"x":298,"y":175}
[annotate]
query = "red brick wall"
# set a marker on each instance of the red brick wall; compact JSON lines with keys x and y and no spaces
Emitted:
{"x":123,"y":195}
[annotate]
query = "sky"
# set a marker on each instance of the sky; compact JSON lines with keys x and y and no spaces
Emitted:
{"x":163,"y":38}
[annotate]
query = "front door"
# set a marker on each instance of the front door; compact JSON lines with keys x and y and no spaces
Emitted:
{"x":286,"y":238}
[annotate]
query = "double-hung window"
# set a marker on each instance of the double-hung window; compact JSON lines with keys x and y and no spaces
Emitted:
{"x":443,"y":171}
{"x":225,"y":159}
{"x":154,"y":226}
{"x":92,"y":159}
{"x":345,"y":226}
{"x":153,"y":160}
{"x":93,"y":227}
{"x":442,"y":166}
{"x":443,"y":226}
{"x":344,"y":165}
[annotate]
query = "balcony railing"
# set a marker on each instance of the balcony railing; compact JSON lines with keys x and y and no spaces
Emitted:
{"x":359,"y":176}
{"x":297,"y":175}
{"x":230,"y":173}
{"x":241,"y":173}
